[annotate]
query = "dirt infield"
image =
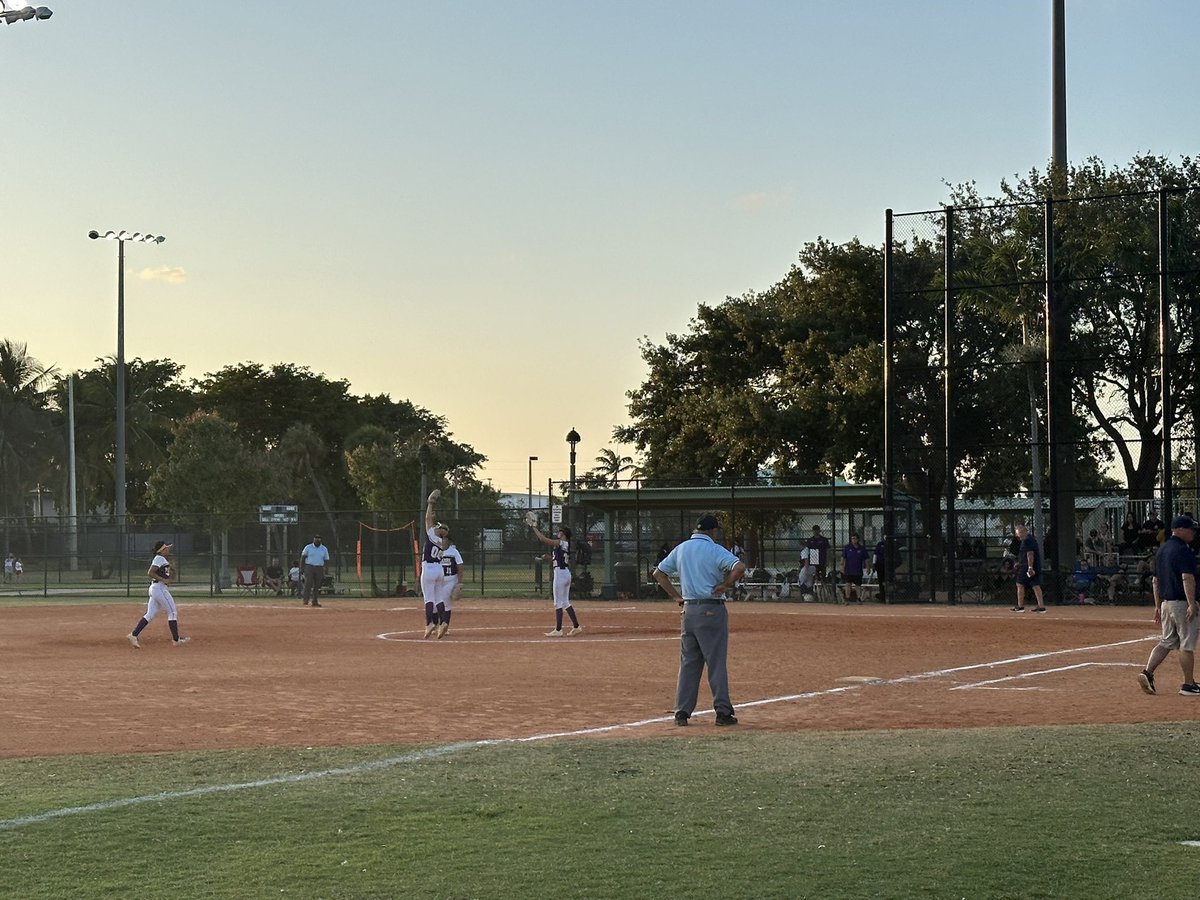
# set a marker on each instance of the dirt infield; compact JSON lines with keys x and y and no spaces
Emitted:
{"x":272,"y":673}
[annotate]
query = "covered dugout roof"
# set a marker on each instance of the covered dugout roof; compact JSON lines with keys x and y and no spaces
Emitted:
{"x":784,"y":497}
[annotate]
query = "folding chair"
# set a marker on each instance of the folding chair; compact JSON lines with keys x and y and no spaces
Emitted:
{"x":247,"y":579}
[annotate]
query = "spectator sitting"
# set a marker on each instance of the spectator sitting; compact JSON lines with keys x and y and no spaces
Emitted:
{"x":1093,"y":547}
{"x":979,"y":549}
{"x":273,"y":577}
{"x":1083,"y":576}
{"x":1145,"y":573}
{"x":294,"y":578}
{"x":1151,"y":534}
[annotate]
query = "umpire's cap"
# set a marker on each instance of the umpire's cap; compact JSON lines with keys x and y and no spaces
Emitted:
{"x":1184,"y":522}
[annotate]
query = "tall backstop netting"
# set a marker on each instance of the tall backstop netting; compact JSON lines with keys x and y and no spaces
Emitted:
{"x":1041,"y":368}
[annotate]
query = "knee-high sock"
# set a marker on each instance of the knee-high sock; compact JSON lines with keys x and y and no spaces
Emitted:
{"x":174,"y":626}
{"x":430,"y":615}
{"x":446,"y":616}
{"x":439,"y":614}
{"x":558,"y":618}
{"x":574,"y":618}
{"x":142,"y":623}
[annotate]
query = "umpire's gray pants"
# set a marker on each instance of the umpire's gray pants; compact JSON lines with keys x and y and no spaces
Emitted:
{"x":313,"y":576}
{"x":704,"y":639}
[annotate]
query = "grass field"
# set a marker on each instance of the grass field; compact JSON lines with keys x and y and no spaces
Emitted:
{"x":1023,"y":813}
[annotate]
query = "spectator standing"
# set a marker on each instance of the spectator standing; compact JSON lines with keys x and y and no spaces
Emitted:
{"x":820,"y":544}
{"x":313,"y":558}
{"x":707,"y":571}
{"x":854,"y":562}
{"x":1175,"y":609}
{"x":18,"y":569}
{"x":1129,"y":534}
{"x":1028,"y":570}
{"x":8,"y":568}
{"x":879,"y":563}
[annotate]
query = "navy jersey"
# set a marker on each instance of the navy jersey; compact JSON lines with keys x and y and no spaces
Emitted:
{"x":560,"y":554}
{"x":433,"y":547}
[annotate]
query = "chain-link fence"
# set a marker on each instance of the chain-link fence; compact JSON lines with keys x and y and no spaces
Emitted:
{"x":1041,"y":368}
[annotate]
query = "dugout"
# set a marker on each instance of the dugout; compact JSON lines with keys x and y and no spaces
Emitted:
{"x":629,"y":526}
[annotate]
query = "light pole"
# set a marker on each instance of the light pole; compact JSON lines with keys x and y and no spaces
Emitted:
{"x":532,"y":460}
{"x":573,"y":438}
{"x":423,"y":456}
{"x":25,"y":13}
{"x":121,"y":237}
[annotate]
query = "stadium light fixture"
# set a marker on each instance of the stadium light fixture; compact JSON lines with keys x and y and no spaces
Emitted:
{"x":24,"y":14}
{"x":121,"y":237}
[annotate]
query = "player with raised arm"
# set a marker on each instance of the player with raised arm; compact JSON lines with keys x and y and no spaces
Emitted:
{"x":433,"y":576}
{"x":558,"y":555}
{"x":161,"y":575}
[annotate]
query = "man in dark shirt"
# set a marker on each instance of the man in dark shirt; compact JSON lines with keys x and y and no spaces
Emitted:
{"x":1028,"y":570}
{"x":820,"y":543}
{"x":1175,"y":609}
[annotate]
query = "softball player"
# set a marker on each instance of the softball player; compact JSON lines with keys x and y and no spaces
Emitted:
{"x":432,"y":575}
{"x":161,"y":575}
{"x":448,"y":589}
{"x":559,"y":553}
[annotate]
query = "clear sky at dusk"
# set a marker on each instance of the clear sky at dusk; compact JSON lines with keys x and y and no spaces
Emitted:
{"x":481,"y":207}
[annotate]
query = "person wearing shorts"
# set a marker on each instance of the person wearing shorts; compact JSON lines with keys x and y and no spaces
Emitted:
{"x":1175,"y":609}
{"x":854,"y":562}
{"x":1028,"y":569}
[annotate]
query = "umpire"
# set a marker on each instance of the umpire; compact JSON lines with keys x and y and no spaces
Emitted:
{"x":1175,"y":608}
{"x":706,"y":572}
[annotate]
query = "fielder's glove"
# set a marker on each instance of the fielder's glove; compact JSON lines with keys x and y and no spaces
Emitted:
{"x":435,"y":495}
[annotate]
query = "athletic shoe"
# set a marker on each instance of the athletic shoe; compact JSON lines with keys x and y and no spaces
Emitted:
{"x":133,"y":641}
{"x":181,"y":641}
{"x":1039,"y":609}
{"x":1018,"y":609}
{"x":575,"y":629}
{"x":557,"y":632}
{"x":442,"y":629}
{"x":1146,"y":680}
{"x":681,"y":718}
{"x":430,"y":628}
{"x":726,"y":720}
{"x":1189,"y":689}
{"x":315,"y":604}
{"x":306,"y":603}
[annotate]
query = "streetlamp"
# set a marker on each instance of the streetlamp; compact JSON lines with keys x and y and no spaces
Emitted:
{"x":24,"y":14}
{"x":573,"y":438}
{"x":532,"y":460}
{"x":121,"y":237}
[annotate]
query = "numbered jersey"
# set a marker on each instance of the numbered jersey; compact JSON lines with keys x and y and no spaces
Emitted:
{"x":560,"y":555}
{"x":162,"y":567}
{"x":451,"y":561}
{"x":433,"y":547}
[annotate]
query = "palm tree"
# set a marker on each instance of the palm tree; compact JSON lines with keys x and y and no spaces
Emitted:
{"x":610,"y":466}
{"x":26,"y":427}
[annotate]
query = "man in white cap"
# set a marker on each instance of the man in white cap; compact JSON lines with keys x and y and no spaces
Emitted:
{"x":1175,"y":609}
{"x":707,"y":571}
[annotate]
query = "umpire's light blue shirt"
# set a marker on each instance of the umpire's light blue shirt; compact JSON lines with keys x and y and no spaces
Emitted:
{"x":701,"y":564}
{"x":314,"y":555}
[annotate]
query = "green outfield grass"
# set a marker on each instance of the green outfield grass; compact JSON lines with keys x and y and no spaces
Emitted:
{"x":1095,"y":812}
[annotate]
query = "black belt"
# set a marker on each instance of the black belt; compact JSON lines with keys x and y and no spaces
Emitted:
{"x":704,"y":602}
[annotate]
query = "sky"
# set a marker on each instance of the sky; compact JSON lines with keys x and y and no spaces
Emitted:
{"x":484,"y":207}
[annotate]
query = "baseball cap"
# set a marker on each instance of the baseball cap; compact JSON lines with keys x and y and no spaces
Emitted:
{"x":707,"y":522}
{"x":1184,"y":522}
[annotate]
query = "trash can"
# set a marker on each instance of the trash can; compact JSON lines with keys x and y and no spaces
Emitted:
{"x":626,"y":574}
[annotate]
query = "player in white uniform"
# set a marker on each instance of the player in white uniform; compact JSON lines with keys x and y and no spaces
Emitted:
{"x":559,"y":554}
{"x":432,"y":574}
{"x":449,"y":588}
{"x":161,"y":574}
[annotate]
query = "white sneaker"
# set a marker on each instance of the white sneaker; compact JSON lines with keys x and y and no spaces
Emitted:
{"x":133,"y":641}
{"x":181,"y":641}
{"x":442,"y":629}
{"x":557,"y":632}
{"x":430,"y":628}
{"x":575,"y":629}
